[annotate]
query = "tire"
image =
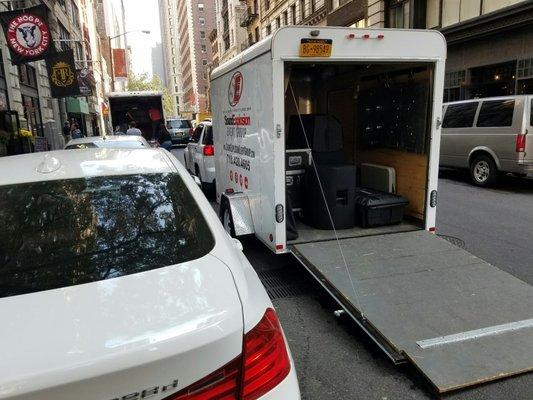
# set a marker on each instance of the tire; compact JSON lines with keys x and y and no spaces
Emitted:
{"x":209,"y":189}
{"x":227,"y":219}
{"x":483,"y":171}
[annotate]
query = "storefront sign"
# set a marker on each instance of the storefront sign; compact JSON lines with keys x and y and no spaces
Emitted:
{"x":85,"y":81}
{"x":119,"y":62}
{"x":62,"y":74}
{"x":27,"y":34}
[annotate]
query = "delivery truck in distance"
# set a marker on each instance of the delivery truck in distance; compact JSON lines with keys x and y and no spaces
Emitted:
{"x":143,"y":107}
{"x":327,"y":147}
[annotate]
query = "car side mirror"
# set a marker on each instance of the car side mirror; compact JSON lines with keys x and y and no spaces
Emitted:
{"x":237,"y":244}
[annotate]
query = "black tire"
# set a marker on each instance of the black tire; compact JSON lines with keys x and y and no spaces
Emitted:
{"x":209,"y":189}
{"x":226,"y":218}
{"x":483,"y":171}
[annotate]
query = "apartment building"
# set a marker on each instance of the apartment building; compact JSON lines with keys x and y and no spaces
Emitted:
{"x":168,"y":19}
{"x":196,"y":19}
{"x":232,"y":37}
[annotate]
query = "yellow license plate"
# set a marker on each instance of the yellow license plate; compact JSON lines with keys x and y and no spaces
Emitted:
{"x":316,"y":47}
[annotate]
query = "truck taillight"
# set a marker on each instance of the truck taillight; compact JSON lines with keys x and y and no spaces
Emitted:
{"x":266,"y":361}
{"x":520,"y":143}
{"x":209,"y":150}
{"x":263,"y":365}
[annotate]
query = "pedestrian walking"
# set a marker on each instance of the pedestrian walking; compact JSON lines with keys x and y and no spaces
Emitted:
{"x":133,"y":130}
{"x":76,"y":132}
{"x":66,"y":132}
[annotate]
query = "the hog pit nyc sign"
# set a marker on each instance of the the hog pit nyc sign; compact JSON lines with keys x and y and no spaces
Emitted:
{"x":27,"y":34}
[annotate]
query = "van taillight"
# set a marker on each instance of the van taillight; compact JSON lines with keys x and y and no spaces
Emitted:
{"x":266,"y":361}
{"x":262,"y":366}
{"x":224,"y":383}
{"x":520,"y":143}
{"x":209,"y":150}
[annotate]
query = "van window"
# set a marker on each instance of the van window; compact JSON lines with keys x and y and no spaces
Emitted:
{"x":460,"y":115}
{"x":208,"y":135}
{"x":178,"y":124}
{"x":496,"y":113}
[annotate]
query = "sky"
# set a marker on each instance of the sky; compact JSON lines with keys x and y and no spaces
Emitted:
{"x":143,"y":15}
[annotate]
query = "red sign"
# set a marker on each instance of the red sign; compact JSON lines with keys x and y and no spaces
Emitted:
{"x":119,"y":61}
{"x":235,"y":89}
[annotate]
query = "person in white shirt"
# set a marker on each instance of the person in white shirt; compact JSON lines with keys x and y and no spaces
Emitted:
{"x":133,"y":130}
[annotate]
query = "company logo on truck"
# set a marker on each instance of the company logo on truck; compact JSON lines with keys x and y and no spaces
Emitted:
{"x":239,"y":120}
{"x":235,"y":89}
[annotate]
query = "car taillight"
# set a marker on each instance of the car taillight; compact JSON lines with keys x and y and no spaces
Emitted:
{"x":266,"y":361}
{"x":520,"y":143}
{"x":209,"y":150}
{"x":223,"y":384}
{"x":263,"y":365}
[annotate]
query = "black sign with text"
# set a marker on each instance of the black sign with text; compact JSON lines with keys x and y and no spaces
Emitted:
{"x":62,"y":74}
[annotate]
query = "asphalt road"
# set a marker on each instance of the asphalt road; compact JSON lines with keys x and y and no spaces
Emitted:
{"x":336,"y":360}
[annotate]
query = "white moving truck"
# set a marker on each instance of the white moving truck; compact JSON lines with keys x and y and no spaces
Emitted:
{"x":300,"y":120}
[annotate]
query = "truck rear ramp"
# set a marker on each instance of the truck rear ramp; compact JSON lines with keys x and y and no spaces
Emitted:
{"x":458,"y":319}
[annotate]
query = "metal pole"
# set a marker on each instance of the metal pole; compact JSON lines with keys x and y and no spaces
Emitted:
{"x":112,"y":65}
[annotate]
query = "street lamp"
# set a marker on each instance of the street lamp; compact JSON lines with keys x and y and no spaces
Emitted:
{"x":109,"y":39}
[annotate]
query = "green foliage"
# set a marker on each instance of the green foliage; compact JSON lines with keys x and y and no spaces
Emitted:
{"x":142,"y":82}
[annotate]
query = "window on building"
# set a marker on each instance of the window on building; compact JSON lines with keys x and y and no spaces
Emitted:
{"x":496,"y":113}
{"x":285,"y":18}
{"x":268,"y":30}
{"x":293,"y":14}
{"x":460,"y":115}
{"x":267,"y":4}
{"x":201,"y":20}
{"x":172,"y":41}
{"x":204,"y":62}
{"x":454,"y":86}
{"x":176,"y":88}
{"x":257,"y":34}
{"x":313,"y":6}
{"x":15,"y":5}
{"x":201,"y":6}
{"x":75,"y":14}
{"x":227,"y":44}
{"x":63,"y":4}
{"x":175,"y":80}
{"x":399,"y":14}
{"x":173,"y":60}
{"x":64,"y":37}
{"x":202,"y":34}
{"x":278,"y":22}
{"x":204,"y":48}
{"x":302,"y":10}
{"x":525,"y":68}
{"x":338,"y":3}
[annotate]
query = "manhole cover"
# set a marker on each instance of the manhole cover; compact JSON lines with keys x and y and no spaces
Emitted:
{"x":283,"y":282}
{"x":454,"y":240}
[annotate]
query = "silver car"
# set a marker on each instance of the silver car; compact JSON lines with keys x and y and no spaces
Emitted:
{"x":489,"y":136}
{"x":180,"y":130}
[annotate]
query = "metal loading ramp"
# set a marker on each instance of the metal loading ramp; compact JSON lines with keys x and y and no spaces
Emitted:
{"x":458,"y":319}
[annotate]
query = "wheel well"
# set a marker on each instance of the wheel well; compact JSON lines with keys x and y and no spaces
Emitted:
{"x":478,"y":153}
{"x":196,"y":168}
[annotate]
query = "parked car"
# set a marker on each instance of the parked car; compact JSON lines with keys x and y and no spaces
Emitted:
{"x":199,"y":156}
{"x":180,"y":129}
{"x":489,"y":136}
{"x":118,"y":282}
{"x":115,"y":142}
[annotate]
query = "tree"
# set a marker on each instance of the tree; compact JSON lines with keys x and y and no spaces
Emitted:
{"x":142,"y":82}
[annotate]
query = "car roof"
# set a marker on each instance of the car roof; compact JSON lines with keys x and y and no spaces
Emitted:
{"x":82,"y":163}
{"x":119,"y":138}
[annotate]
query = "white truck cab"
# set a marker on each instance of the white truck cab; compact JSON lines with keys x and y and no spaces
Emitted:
{"x":327,"y":145}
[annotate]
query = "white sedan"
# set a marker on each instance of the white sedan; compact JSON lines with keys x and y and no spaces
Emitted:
{"x":109,"y":141}
{"x":118,"y":282}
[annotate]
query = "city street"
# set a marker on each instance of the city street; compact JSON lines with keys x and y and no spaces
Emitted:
{"x":335,"y":360}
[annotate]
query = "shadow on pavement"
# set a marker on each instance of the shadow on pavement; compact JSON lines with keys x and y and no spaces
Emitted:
{"x":507,"y":182}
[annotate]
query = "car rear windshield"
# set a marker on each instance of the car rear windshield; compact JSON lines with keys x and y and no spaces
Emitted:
{"x":69,"y":232}
{"x":179,"y":124}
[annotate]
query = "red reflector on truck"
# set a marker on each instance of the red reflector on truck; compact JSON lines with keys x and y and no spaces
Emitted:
{"x":520,"y":143}
{"x":209,"y":150}
{"x":265,"y":364}
{"x":266,"y":361}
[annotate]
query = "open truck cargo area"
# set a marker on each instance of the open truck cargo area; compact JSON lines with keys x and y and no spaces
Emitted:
{"x":313,"y":119}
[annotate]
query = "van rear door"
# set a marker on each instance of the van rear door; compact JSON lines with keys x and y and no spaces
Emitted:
{"x":527,"y":155}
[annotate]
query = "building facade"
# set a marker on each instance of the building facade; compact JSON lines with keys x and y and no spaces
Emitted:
{"x":196,"y":19}
{"x":232,"y":37}
{"x":158,"y":65}
{"x":168,"y":20}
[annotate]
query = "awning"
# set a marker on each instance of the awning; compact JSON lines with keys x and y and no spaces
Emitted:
{"x":77,"y":106}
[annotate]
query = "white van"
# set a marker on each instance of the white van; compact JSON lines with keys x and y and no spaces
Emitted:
{"x":489,"y":136}
{"x":315,"y":122}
